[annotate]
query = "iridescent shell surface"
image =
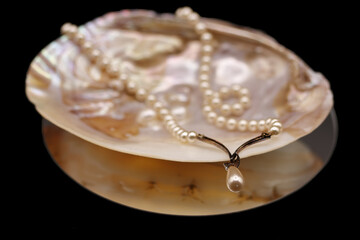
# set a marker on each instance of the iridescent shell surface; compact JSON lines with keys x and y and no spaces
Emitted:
{"x":161,"y":53}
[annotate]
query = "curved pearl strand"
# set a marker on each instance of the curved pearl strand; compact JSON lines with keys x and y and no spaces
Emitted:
{"x":213,"y":100}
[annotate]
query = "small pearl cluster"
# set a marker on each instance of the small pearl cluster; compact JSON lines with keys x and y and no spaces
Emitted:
{"x":215,"y":111}
{"x":120,"y":81}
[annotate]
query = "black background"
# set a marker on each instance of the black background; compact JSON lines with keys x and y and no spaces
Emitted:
{"x":42,"y":196}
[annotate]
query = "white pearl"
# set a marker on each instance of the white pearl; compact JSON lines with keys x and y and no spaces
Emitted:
{"x":204,"y":68}
{"x":211,"y":117}
{"x":252,"y":125}
{"x":168,"y":118}
{"x":206,"y":37}
{"x":245,"y":101}
{"x":193,"y":17}
{"x":204,"y":77}
{"x":261,"y":125}
{"x":191,"y":137}
{"x":216,"y":102}
{"x":274,"y":131}
{"x":157,"y":106}
{"x":207,"y":109}
{"x":236,"y":89}
{"x":169,"y":122}
{"x":171,"y":126}
{"x":224,"y":92}
{"x":200,"y":28}
{"x":231,"y":124}
{"x":268,"y":123}
{"x":225,"y":109}
{"x":274,"y":120}
{"x":178,"y":133}
{"x":234,"y":179}
{"x":278,"y":125}
{"x":244,"y":92}
{"x":150,"y":100}
{"x":183,"y":12}
{"x":163,"y":112}
{"x":69,"y":29}
{"x":131,"y":87}
{"x":184,"y":137}
{"x":206,"y":60}
{"x":207,"y":49}
{"x":208,"y":94}
{"x":175,"y":130}
{"x":204,"y":86}
{"x":220,"y":121}
{"x":237,"y":109}
{"x":242,"y":125}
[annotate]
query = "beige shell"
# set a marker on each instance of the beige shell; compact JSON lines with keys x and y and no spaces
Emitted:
{"x":161,"y":53}
{"x":176,"y":187}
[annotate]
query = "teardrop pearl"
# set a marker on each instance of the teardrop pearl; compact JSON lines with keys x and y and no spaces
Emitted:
{"x":234,"y":179}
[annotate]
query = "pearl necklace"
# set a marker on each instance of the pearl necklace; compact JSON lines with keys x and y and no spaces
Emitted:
{"x":215,"y":111}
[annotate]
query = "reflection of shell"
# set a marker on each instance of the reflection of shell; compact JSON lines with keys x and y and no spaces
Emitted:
{"x":73,"y":94}
{"x":180,"y":188}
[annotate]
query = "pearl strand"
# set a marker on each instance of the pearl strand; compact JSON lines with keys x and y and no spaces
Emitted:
{"x":120,"y":82}
{"x":213,"y":100}
{"x":215,"y":111}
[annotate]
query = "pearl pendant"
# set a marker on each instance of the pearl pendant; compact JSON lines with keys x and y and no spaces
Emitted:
{"x":234,"y":179}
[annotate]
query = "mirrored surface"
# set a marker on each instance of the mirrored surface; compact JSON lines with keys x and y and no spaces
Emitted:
{"x":190,"y":188}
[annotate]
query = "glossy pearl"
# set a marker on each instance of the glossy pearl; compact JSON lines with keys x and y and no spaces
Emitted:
{"x":242,"y":125}
{"x":252,"y":125}
{"x":224,"y":92}
{"x":204,"y":86}
{"x":150,"y":100}
{"x":245,"y":101}
{"x":200,"y":28}
{"x":191,"y":137}
{"x":234,"y":179}
{"x":175,"y":130}
{"x":184,"y":137}
{"x":244,"y":92}
{"x":131,"y":87}
{"x":231,"y":124}
{"x":261,"y":125}
{"x":237,"y":109}
{"x":211,"y":117}
{"x":183,"y":12}
{"x":268,"y":123}
{"x":208,"y":94}
{"x":207,"y":109}
{"x":216,"y":102}
{"x":206,"y":37}
{"x":225,"y":109}
{"x":207,"y":49}
{"x":193,"y":17}
{"x":163,"y":113}
{"x":220,"y":121}
{"x":157,"y":106}
{"x":274,"y":131}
